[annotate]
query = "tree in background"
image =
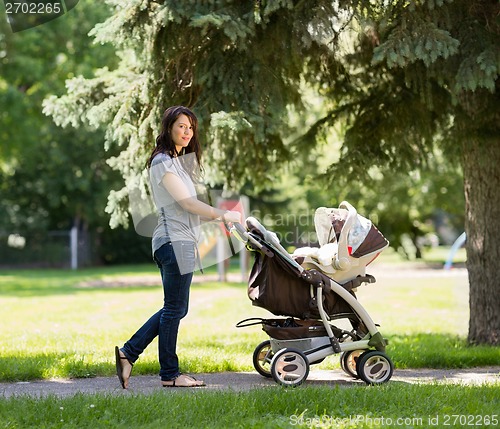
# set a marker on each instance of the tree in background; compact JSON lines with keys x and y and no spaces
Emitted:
{"x":55,"y":170}
{"x":51,"y":178}
{"x":424,"y":75}
{"x":419,"y":74}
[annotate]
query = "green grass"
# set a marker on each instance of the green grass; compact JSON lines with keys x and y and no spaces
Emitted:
{"x":54,"y":324}
{"x":395,"y":404}
{"x":432,"y":257}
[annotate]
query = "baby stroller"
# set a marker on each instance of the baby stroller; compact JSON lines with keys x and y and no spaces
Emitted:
{"x":313,"y":289}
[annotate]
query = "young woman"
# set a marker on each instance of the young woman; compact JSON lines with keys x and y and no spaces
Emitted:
{"x":174,"y":168}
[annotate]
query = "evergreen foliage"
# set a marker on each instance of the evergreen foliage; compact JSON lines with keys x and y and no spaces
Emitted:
{"x":42,"y":168}
{"x":53,"y":179}
{"x":415,"y":70}
{"x":238,"y":64}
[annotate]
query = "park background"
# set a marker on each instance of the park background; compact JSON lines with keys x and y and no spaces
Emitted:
{"x":55,"y":178}
{"x":379,"y":105}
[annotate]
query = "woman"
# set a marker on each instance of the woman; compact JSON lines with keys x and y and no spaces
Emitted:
{"x":174,"y":167}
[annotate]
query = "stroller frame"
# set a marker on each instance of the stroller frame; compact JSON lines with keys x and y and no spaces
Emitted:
{"x":362,"y":354}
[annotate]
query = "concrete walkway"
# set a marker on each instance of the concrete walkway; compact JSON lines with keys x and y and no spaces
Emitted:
{"x":239,"y":381}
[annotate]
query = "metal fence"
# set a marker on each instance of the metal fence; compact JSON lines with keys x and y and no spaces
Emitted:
{"x":50,"y":249}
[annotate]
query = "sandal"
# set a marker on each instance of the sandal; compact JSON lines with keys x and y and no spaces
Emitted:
{"x":183,"y":380}
{"x":122,"y":371}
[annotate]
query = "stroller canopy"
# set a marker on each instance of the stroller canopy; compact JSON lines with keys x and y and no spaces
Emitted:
{"x":363,"y":238}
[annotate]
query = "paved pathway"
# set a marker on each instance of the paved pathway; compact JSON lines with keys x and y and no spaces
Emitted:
{"x":239,"y":381}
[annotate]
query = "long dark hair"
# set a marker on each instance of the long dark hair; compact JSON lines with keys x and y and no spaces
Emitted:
{"x":164,"y":143}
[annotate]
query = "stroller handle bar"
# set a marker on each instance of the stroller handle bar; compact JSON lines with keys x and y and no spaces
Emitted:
{"x":342,"y":261}
{"x":245,"y":237}
{"x":238,"y":230}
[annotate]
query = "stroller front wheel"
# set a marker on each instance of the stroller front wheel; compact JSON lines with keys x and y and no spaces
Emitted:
{"x":289,"y":367}
{"x":262,"y":357}
{"x":374,"y":367}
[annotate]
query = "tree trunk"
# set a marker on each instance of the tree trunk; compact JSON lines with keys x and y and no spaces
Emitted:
{"x":481,"y":167}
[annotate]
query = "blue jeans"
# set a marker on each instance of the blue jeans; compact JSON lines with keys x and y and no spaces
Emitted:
{"x":165,"y":322}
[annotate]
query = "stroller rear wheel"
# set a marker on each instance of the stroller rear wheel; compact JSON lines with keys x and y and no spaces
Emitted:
{"x":348,"y":362}
{"x":289,"y":367}
{"x":374,"y":367}
{"x":262,"y":357}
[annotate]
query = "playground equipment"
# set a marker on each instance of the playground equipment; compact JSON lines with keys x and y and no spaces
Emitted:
{"x":459,"y":242}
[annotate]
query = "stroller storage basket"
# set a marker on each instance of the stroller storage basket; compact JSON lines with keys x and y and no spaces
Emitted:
{"x":302,"y":335}
{"x":287,"y":329}
{"x":298,"y":334}
{"x":302,"y":344}
{"x":291,"y":329}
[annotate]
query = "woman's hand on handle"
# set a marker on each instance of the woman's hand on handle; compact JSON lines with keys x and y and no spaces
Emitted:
{"x":232,"y":216}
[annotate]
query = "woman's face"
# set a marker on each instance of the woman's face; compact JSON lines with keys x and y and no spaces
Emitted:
{"x":182,"y":132}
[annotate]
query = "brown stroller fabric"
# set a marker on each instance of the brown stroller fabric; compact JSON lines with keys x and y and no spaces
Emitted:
{"x":277,"y":287}
{"x":373,"y":241}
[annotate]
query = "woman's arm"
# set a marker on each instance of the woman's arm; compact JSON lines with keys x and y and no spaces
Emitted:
{"x":176,"y":187}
